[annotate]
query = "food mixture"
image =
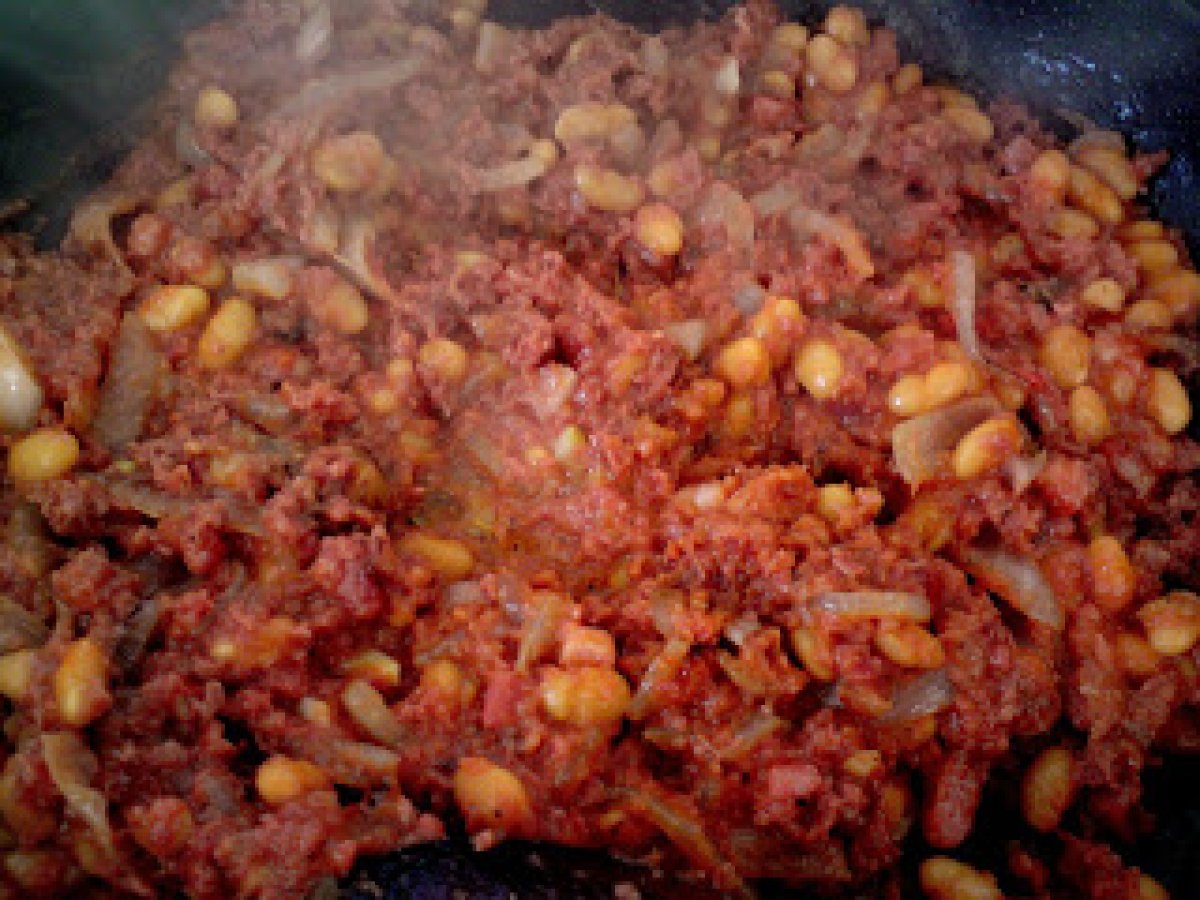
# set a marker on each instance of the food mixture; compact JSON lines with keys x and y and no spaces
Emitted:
{"x":721,"y":447}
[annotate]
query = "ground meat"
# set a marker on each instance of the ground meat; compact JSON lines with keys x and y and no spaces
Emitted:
{"x":723,"y":451}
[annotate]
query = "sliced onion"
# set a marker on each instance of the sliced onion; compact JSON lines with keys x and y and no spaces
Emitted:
{"x":72,"y":766}
{"x":1019,"y":582}
{"x":776,"y":199}
{"x":187,"y":147}
{"x":135,"y":372}
{"x":962,"y":301}
{"x":749,"y":298}
{"x":758,"y":726}
{"x":463,"y":593}
{"x":808,"y":223}
{"x":483,"y":450}
{"x":515,"y":173}
{"x":689,"y":336}
{"x":341,"y":89}
{"x":137,"y":631}
{"x":19,"y":628}
{"x":91,"y":223}
{"x":739,"y":630}
{"x":268,"y":276}
{"x":155,"y":504}
{"x":355,"y":258}
{"x":655,"y":55}
{"x":925,"y":695}
{"x":874,"y":605}
{"x":1024,"y":470}
{"x":723,"y":206}
{"x":554,"y":386}
{"x":683,"y":828}
{"x":493,"y":47}
{"x":661,"y":670}
{"x":549,"y":611}
{"x":21,"y":396}
{"x":728,"y":79}
{"x":315,"y":35}
{"x":922,"y":444}
{"x":1094,"y":138}
{"x":370,"y":712}
{"x":362,"y":765}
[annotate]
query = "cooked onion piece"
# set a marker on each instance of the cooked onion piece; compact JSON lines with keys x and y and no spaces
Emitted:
{"x":1020,"y":582}
{"x":922,"y":445}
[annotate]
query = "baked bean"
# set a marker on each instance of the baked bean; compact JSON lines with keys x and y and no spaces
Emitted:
{"x":1088,"y":416}
{"x":491,"y":797}
{"x":1149,"y":889}
{"x":974,"y":123}
{"x":819,"y":369}
{"x":585,"y":646}
{"x":608,"y":190}
{"x":1046,"y":788}
{"x":1050,"y":174}
{"x":270,"y":277}
{"x":833,"y":500}
{"x":1167,"y":401}
{"x":1105,"y":294}
{"x":1178,"y":290}
{"x":1172,"y":622}
{"x":588,"y":696}
{"x":215,"y":108}
{"x":863,"y":763}
{"x":343,"y":308}
{"x":1154,"y":256}
{"x":1093,"y":196}
{"x":831,"y":65}
{"x":1149,"y":315}
{"x":943,"y":878}
{"x":591,"y":120}
{"x":445,"y":359}
{"x":947,"y":382}
{"x":986,"y":447}
{"x":149,"y":235}
{"x":1113,"y":168}
{"x":744,"y":363}
{"x":849,"y":25}
{"x":906,"y":398}
{"x":909,"y":645}
{"x":315,"y":711}
{"x":197,"y":261}
{"x":1066,"y":354}
{"x":1135,"y":656}
{"x":16,"y":674}
{"x":1071,"y":224}
{"x":907,"y":78}
{"x":43,"y":455}
{"x":449,"y":559}
{"x":779,"y":83}
{"x":81,"y":684}
{"x":282,"y":778}
{"x":1142,"y":230}
{"x":659,"y":229}
{"x":172,"y":307}
{"x":228,"y":334}
{"x":374,"y":667}
{"x":349,"y":163}
{"x":814,"y":652}
{"x":569,"y":443}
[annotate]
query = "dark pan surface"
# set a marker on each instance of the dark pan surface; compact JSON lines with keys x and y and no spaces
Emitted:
{"x":1134,"y":66}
